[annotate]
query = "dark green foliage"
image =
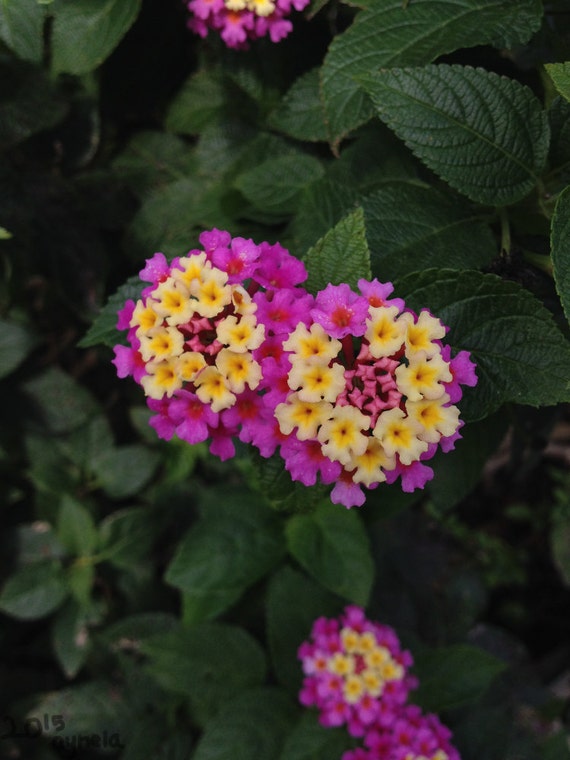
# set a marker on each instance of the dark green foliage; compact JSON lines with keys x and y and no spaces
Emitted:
{"x":154,"y":597}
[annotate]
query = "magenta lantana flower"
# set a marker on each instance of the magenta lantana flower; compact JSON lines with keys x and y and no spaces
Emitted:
{"x":240,"y":21}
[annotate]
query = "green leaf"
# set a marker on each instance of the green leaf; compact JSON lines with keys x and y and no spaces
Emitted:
{"x":454,"y":676}
{"x":484,"y":134}
{"x":34,"y":591}
{"x":21,"y":28}
{"x":221,"y":556}
{"x":274,"y":186}
{"x":560,"y":75}
{"x":37,"y":541}
{"x":560,"y":249}
{"x":208,"y":663}
{"x":85,"y":32}
{"x":520,"y":353}
{"x":96,"y":707}
{"x":28,"y":102}
{"x":342,"y":255}
{"x":252,"y":726}
{"x":76,"y":529}
{"x":16,"y":343}
{"x":80,"y":576}
{"x":410,"y":227}
{"x":457,"y":472}
{"x":127,"y":535}
{"x":125,"y":470}
{"x":332,"y":546}
{"x":70,"y":638}
{"x":129,"y":631}
{"x":300,"y":113}
{"x":104,"y":327}
{"x":153,"y":159}
{"x":311,"y":741}
{"x":199,"y":103}
{"x":63,"y":403}
{"x":293,"y":603}
{"x":387,"y":34}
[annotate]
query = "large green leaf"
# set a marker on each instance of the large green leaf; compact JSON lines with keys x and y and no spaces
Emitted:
{"x":484,"y":134}
{"x":454,"y":676}
{"x":387,"y":34}
{"x":342,"y":255}
{"x":85,"y":32}
{"x":16,"y":342}
{"x":332,"y":546}
{"x":309,"y":740}
{"x":221,"y":556}
{"x":560,"y":75}
{"x":104,"y":327}
{"x":208,"y":663}
{"x":251,"y":726}
{"x":76,"y":528}
{"x":300,"y":113}
{"x":125,"y":470}
{"x":200,"y":102}
{"x":293,"y":603}
{"x":64,"y":404}
{"x":410,"y":227}
{"x":21,"y":27}
{"x":520,"y":353}
{"x":34,"y":591}
{"x":560,"y":249}
{"x":274,"y":186}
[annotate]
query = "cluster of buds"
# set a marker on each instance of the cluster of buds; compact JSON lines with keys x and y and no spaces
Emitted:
{"x":239,"y":21}
{"x":357,"y":675}
{"x":351,"y":387}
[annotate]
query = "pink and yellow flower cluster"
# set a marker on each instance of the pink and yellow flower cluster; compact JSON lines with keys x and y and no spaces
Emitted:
{"x":239,"y":21}
{"x":357,"y":675}
{"x":352,"y":388}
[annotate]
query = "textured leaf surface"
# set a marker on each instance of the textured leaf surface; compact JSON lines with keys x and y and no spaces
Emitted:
{"x":387,"y":34}
{"x":300,"y":113}
{"x":520,"y":353}
{"x":223,"y":555}
{"x":342,"y":255}
{"x":76,"y":529}
{"x":64,"y":404}
{"x":560,"y":75}
{"x":274,"y":186}
{"x":453,"y":676}
{"x":293,"y":604}
{"x":104,"y":327}
{"x":410,"y":227}
{"x":208,"y":663}
{"x":34,"y":591}
{"x":333,"y":547}
{"x":484,"y":134}
{"x":85,"y":32}
{"x":560,"y":249}
{"x":16,"y":342}
{"x":251,"y":727}
{"x":308,"y":741}
{"x":21,"y":27}
{"x":199,"y":103}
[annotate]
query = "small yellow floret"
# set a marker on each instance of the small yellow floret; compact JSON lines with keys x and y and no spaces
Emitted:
{"x":423,"y":377}
{"x":189,"y":364}
{"x":307,"y":417}
{"x":242,"y":301}
{"x":260,"y":7}
{"x":398,"y":434}
{"x":144,"y":318}
{"x":350,"y":639}
{"x":212,"y":388}
{"x":367,"y":642}
{"x":340,"y":664}
{"x":376,"y":657}
{"x":436,"y":419}
{"x":371,"y":465}
{"x":235,"y":5}
{"x":342,"y":437}
{"x":238,"y":369}
{"x":384,"y":331}
{"x":312,"y":344}
{"x":316,"y":381}
{"x":211,"y":292}
{"x":190,"y":268}
{"x":421,"y":334}
{"x":161,"y":379}
{"x":245,"y":335}
{"x":171,"y":300}
{"x":161,"y":343}
{"x":392,"y":671}
{"x":353,"y":689}
{"x":373,"y":683}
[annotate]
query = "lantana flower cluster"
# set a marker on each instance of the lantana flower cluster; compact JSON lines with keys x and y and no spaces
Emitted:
{"x":239,"y":21}
{"x":351,"y":388}
{"x":358,"y":676}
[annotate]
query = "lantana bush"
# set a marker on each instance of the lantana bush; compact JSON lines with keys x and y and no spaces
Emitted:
{"x":286,"y":364}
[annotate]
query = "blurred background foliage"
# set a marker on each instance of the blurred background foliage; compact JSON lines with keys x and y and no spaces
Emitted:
{"x":156,"y":595}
